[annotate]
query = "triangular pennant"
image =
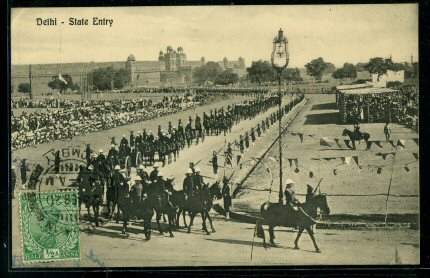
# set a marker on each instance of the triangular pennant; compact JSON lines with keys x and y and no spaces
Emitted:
{"x":343,"y":160}
{"x":325,"y":142}
{"x":301,"y":137}
{"x":296,"y":162}
{"x":337,"y":142}
{"x":356,"y":159}
{"x":347,"y":143}
{"x":290,"y":161}
{"x":415,"y":155}
{"x":392,"y":143}
{"x":416,"y":140}
{"x":368,"y":144}
{"x":347,"y":159}
{"x":378,"y":143}
{"x":401,"y":143}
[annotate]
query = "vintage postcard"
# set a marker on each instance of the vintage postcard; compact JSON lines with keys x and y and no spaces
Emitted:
{"x":214,"y":136}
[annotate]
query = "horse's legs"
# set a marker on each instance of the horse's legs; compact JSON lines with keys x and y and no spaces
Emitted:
{"x":164,"y":218}
{"x":183,"y":216}
{"x":311,"y":234}
{"x":171,"y":217}
{"x":88,"y":213}
{"x":192,"y":215}
{"x":272,"y":235}
{"x":353,"y":144}
{"x":205,"y":228}
{"x":96,"y":214}
{"x":210,"y":222}
{"x":296,"y":242}
{"x":158,"y":217}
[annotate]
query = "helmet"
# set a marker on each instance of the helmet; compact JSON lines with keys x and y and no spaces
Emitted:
{"x":141,"y":167}
{"x":123,"y":135}
{"x":289,"y":181}
{"x":101,"y":151}
{"x":117,"y":167}
{"x":139,"y":132}
{"x":91,"y":167}
{"x":112,"y":146}
{"x":189,"y":171}
{"x":160,"y":174}
{"x":137,"y":178}
{"x":197,"y":169}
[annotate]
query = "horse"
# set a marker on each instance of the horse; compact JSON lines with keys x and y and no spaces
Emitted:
{"x":275,"y":214}
{"x":202,"y":202}
{"x":91,"y":191}
{"x":357,"y":136}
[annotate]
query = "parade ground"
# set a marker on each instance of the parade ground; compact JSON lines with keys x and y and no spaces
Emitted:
{"x":355,"y":189}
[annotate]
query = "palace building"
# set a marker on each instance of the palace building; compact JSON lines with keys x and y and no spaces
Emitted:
{"x":171,"y":68}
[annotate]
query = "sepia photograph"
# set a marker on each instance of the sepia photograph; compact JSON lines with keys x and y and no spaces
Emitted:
{"x":185,"y":136}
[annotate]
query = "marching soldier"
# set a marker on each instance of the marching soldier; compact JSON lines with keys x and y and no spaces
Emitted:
{"x":226,"y":197}
{"x":246,"y":140}
{"x":151,"y":137}
{"x":132,"y":139}
{"x":13,"y":180}
{"x":252,"y":134}
{"x":228,"y":154}
{"x":214,"y":162}
{"x":23,"y":168}
{"x":113,"y":154}
{"x":169,"y":129}
{"x":88,"y":153}
{"x":57,"y":161}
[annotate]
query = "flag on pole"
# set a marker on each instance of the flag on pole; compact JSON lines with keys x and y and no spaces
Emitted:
{"x":356,"y":160}
{"x":416,"y":141}
{"x":347,"y":159}
{"x":401,"y":143}
{"x":415,"y":155}
{"x":61,"y":78}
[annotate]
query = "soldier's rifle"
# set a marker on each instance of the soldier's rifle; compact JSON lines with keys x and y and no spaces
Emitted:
{"x":319,"y":183}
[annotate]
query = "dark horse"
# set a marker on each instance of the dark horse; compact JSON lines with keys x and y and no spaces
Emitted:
{"x":91,"y":190}
{"x":202,"y":202}
{"x":357,"y":136}
{"x":275,"y":214}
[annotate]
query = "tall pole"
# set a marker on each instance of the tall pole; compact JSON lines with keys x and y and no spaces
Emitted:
{"x":280,"y":138}
{"x":31,"y":88}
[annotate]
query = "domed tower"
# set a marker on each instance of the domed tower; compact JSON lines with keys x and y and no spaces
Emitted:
{"x":130,"y":66}
{"x":161,"y":56}
{"x":225,"y":63}
{"x":241,"y":62}
{"x":203,"y":61}
{"x":181,"y":57}
{"x":170,"y":59}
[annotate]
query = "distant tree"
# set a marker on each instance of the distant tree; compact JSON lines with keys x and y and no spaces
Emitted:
{"x":261,"y":71}
{"x":57,"y":84}
{"x":377,"y":65}
{"x":396,"y":67}
{"x":207,"y":72}
{"x":75,"y":87}
{"x":360,"y":67}
{"x":226,"y":77}
{"x":347,"y":71}
{"x":102,"y":78}
{"x":316,"y":67}
{"x":330,"y":68}
{"x":292,"y":74}
{"x":122,"y":77}
{"x":24,"y":88}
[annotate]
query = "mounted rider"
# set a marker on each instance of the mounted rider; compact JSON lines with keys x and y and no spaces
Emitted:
{"x":154,"y":173}
{"x":187,"y":185}
{"x":198,"y":181}
{"x":142,"y":173}
{"x":290,"y":195}
{"x":124,"y":142}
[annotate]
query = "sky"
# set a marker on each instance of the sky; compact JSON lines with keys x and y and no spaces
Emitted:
{"x":337,"y":33}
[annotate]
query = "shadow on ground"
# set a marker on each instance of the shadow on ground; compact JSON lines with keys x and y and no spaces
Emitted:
{"x":324,"y":106}
{"x":322,"y":119}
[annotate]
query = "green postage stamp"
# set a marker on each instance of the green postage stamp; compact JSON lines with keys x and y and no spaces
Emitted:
{"x":49,"y":226}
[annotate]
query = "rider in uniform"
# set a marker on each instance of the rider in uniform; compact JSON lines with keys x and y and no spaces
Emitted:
{"x":187,"y":185}
{"x":142,"y":173}
{"x":132,"y":139}
{"x":197,"y":180}
{"x":123,"y":142}
{"x":309,"y":193}
{"x":290,"y":195}
{"x":154,"y":173}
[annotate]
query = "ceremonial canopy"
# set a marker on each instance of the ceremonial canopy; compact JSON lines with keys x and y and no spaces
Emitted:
{"x":368,"y":104}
